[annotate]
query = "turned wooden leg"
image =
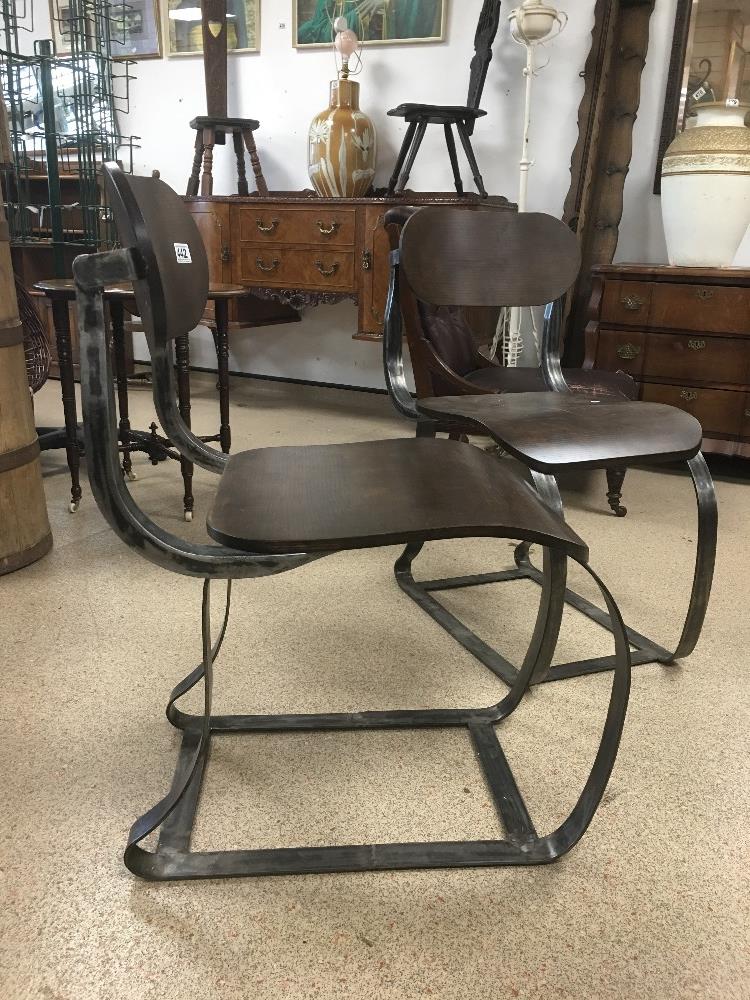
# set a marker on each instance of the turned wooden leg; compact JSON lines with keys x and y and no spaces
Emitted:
{"x":117,"y":316}
{"x":182,"y":356}
{"x":61,"y":321}
{"x":207,"y":180}
{"x":221,"y":341}
{"x":260,"y":181}
{"x":615,"y":478}
{"x":239,"y":152}
{"x":192,"y":187}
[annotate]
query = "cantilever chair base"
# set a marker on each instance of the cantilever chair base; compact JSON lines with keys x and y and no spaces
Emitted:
{"x":644,"y":650}
{"x":175,"y":814}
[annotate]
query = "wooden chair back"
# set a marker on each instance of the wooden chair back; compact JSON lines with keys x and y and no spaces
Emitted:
{"x":489,"y":20}
{"x":153,"y":219}
{"x":450,"y":256}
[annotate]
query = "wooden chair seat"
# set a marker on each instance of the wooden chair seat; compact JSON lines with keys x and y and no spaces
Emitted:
{"x":599,"y":383}
{"x":550,"y":431}
{"x":436,"y":114}
{"x":350,"y":496}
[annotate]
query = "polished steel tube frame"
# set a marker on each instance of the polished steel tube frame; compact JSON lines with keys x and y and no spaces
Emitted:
{"x":174,"y":815}
{"x":644,"y":650}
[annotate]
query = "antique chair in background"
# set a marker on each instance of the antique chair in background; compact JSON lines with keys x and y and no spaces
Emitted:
{"x":419,"y":116}
{"x":446,"y":361}
{"x":448,"y":259}
{"x":278,"y":509}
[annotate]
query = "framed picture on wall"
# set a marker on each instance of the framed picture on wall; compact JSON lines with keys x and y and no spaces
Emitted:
{"x":135,"y":31}
{"x":184,"y":33}
{"x":376,"y":22}
{"x":61,"y":22}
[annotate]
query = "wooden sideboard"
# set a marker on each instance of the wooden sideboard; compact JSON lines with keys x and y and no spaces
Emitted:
{"x":684,"y":335}
{"x":304,"y":250}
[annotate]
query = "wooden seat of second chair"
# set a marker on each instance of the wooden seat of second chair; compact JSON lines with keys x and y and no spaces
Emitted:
{"x":551,"y":430}
{"x":324,"y":498}
{"x":437,"y":114}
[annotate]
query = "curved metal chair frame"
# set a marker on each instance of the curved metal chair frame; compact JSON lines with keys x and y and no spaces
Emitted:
{"x":174,"y":814}
{"x":431,"y":417}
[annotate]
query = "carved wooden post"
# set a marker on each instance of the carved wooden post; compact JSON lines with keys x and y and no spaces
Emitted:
{"x":601,"y":159}
{"x":214,"y":22}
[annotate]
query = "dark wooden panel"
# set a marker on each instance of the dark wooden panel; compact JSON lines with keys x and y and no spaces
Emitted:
{"x":682,"y":357}
{"x":702,"y":307}
{"x":489,"y":258}
{"x":626,"y":303}
{"x":718,"y":411}
{"x":621,"y":350}
{"x":329,"y":497}
{"x":551,"y":430}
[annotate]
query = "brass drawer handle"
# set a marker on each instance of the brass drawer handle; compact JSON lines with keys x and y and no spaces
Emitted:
{"x":747,"y":413}
{"x":628,"y":351}
{"x":697,"y":345}
{"x":267,"y":229}
{"x":704,"y":293}
{"x":689,"y":395}
{"x":328,"y":230}
{"x":267,"y":267}
{"x":327,"y":272}
{"x":632,"y":303}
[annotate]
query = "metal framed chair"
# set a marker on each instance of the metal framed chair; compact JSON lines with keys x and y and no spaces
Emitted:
{"x":278,"y":509}
{"x":482,"y":258}
{"x":463,"y":117}
{"x":446,"y":361}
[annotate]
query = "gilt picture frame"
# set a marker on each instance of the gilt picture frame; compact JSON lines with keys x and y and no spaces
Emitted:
{"x":183,"y":35}
{"x":376,"y":22}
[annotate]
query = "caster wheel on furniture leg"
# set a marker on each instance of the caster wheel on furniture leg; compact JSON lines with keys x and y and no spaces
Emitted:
{"x":73,"y":506}
{"x":188,"y":515}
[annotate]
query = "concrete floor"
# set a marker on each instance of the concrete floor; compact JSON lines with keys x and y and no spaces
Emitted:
{"x":653,"y":903}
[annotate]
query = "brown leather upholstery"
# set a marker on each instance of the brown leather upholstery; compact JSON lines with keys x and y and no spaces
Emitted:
{"x":607,"y":385}
{"x":549,"y":431}
{"x":449,"y":335}
{"x":323,"y":498}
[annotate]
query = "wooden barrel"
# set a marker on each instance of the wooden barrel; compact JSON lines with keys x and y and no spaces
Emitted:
{"x":24,"y":527}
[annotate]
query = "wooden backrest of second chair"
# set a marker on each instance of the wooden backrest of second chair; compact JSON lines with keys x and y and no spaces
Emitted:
{"x":153,"y":219}
{"x":451,"y":256}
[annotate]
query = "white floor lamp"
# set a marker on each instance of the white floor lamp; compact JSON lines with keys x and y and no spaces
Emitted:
{"x":531,"y":24}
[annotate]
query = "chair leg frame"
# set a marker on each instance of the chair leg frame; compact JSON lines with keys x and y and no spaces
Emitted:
{"x":175,"y":813}
{"x":645,"y":650}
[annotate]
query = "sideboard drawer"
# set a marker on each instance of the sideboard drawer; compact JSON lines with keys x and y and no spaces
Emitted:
{"x":719,"y":411}
{"x":285,"y":267}
{"x":685,"y":357}
{"x":626,"y":303}
{"x":706,"y":308}
{"x":317,"y":226}
{"x":621,"y":351}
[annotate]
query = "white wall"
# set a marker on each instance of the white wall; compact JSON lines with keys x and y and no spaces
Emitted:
{"x":284,"y":88}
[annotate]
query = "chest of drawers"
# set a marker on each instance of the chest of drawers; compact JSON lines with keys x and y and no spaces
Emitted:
{"x":303,"y":250}
{"x":684,"y":336}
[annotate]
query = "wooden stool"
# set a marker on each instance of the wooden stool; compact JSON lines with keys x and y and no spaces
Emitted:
{"x":210,"y":131}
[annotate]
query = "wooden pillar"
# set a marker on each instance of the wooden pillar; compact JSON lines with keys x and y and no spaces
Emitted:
{"x":24,"y":527}
{"x":601,"y":159}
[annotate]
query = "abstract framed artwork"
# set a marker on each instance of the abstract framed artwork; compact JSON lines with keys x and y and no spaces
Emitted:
{"x":183,"y":29}
{"x":136,"y":32}
{"x":376,"y":22}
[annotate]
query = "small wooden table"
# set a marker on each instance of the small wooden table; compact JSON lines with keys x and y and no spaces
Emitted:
{"x":118,"y":299}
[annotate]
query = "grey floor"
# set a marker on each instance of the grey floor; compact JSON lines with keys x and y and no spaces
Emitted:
{"x":653,"y":903}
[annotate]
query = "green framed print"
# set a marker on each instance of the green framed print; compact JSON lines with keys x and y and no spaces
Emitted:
{"x":184,"y":33}
{"x":376,"y":22}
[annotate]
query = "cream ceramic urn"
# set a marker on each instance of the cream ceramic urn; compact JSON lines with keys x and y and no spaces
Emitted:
{"x":705,"y":188}
{"x":341,"y":160}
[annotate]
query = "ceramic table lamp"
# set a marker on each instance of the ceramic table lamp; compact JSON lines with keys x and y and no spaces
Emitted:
{"x":341,"y":148}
